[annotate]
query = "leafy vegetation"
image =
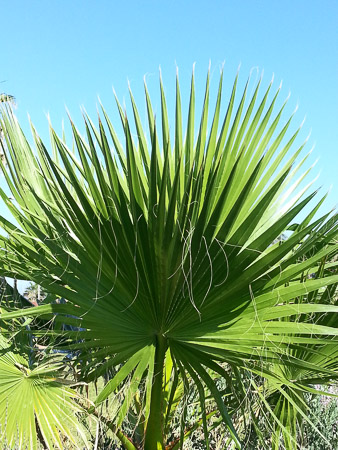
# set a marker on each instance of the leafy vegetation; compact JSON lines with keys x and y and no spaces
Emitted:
{"x":324,"y":411}
{"x":167,"y":277}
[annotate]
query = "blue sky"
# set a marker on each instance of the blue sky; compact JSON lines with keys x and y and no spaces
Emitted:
{"x":57,"y":53}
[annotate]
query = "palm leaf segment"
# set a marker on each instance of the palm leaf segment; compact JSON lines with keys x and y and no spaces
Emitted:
{"x":169,"y":246}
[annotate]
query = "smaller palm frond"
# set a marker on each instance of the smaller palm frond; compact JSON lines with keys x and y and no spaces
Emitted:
{"x":36,"y":402}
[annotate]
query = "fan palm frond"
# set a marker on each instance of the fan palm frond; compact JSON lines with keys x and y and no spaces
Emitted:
{"x":167,"y":247}
{"x":35,"y":402}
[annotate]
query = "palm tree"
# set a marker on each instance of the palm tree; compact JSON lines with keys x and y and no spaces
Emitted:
{"x":34,"y":294}
{"x":166,"y":255}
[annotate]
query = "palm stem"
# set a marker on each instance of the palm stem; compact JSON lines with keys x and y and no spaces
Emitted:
{"x":154,"y":433}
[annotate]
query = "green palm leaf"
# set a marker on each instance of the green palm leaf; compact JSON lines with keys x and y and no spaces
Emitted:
{"x":35,"y":402}
{"x":169,"y":249}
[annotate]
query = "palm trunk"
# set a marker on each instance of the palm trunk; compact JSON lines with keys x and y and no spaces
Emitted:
{"x":154,"y":433}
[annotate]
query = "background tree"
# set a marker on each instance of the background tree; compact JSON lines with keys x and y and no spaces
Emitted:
{"x":34,"y":293}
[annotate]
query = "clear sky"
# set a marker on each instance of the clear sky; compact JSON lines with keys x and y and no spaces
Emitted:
{"x":67,"y":52}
